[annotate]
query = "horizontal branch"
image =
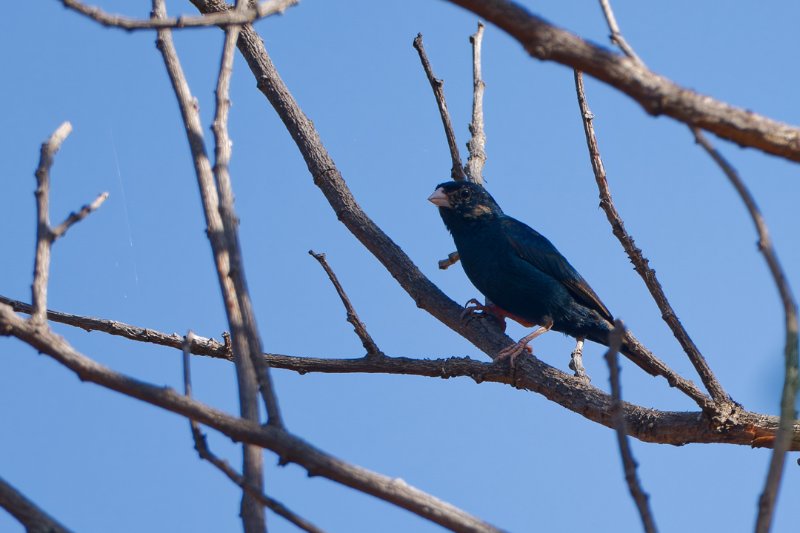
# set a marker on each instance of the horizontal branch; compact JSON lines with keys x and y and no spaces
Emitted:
{"x":230,"y":18}
{"x":289,"y":448}
{"x":645,"y":424}
{"x":655,"y":93}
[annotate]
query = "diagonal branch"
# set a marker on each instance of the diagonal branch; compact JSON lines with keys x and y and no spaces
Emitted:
{"x":203,"y":450}
{"x":640,"y":263}
{"x":766,"y":505}
{"x":26,"y":512}
{"x":640,"y":497}
{"x":655,"y":93}
{"x":289,"y":448}
{"x":352,"y":316}
{"x":457,"y":170}
{"x":616,"y":35}
{"x":232,"y":18}
{"x":645,"y":424}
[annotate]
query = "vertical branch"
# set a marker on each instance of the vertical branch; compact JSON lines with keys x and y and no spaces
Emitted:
{"x":253,"y":518}
{"x":477,"y":144}
{"x":456,"y":171}
{"x":44,"y":237}
{"x":640,"y":497}
{"x":783,"y":438}
{"x":640,"y":263}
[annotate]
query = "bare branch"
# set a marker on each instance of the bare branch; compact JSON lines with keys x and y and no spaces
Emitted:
{"x":452,"y":259}
{"x":44,"y":237}
{"x":655,"y":93}
{"x":616,"y":35}
{"x":26,"y":512}
{"x":289,"y":448}
{"x":645,"y":424}
{"x":477,"y":144}
{"x":640,"y":263}
{"x":232,"y":18}
{"x":352,"y":316}
{"x":76,"y":217}
{"x":253,"y":518}
{"x":766,"y":505}
{"x":203,"y":450}
{"x":639,"y":496}
{"x":457,"y":171}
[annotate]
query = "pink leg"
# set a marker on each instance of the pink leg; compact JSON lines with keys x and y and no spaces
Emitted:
{"x":513,"y":351}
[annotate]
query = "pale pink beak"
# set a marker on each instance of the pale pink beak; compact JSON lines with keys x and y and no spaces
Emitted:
{"x":439,"y":198}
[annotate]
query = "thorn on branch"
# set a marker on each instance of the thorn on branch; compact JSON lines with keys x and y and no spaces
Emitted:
{"x":352,"y":316}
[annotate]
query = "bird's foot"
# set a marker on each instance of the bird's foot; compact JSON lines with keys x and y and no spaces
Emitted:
{"x":576,"y":362}
{"x":513,"y":351}
{"x":474,"y":309}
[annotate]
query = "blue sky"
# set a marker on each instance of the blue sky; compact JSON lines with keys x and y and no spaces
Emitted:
{"x":99,"y":461}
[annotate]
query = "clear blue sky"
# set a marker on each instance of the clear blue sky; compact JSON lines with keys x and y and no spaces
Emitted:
{"x":99,"y":461}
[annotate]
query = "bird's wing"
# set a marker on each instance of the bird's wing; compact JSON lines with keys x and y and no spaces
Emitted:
{"x":534,"y":248}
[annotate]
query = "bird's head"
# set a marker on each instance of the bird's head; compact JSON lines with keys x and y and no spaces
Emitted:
{"x":463,"y":201}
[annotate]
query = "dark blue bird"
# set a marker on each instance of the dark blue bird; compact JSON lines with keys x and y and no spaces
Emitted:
{"x":522,"y":274}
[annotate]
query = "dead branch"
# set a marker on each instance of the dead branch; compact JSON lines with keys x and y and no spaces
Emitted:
{"x":232,"y":18}
{"x":26,"y":512}
{"x":476,"y":144}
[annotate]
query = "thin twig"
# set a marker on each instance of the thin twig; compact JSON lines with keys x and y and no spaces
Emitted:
{"x":77,"y":216}
{"x":452,"y":259}
{"x":645,"y":424}
{"x":26,"y":512}
{"x":477,"y":144}
{"x":203,"y":450}
{"x":616,"y":35}
{"x":457,"y":171}
{"x":352,"y":316}
{"x":252,"y":513}
{"x":640,"y":263}
{"x":766,"y":504}
{"x":230,"y":18}
{"x":638,"y":494}
{"x":290,"y":448}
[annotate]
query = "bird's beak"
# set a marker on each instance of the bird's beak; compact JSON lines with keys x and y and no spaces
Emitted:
{"x":439,"y":198}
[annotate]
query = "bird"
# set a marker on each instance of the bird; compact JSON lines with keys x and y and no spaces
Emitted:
{"x":522,"y":274}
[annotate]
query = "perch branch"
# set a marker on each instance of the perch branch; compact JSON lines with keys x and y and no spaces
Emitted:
{"x":352,"y":316}
{"x":640,"y":497}
{"x":766,"y":505}
{"x":231,"y":18}
{"x":645,"y":424}
{"x":456,"y":171}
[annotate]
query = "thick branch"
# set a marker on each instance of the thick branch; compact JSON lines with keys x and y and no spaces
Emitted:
{"x":232,"y":18}
{"x":26,"y":512}
{"x":456,"y":171}
{"x":289,"y":448}
{"x":766,"y":505}
{"x":655,"y":93}
{"x":645,"y":424}
{"x":640,"y":263}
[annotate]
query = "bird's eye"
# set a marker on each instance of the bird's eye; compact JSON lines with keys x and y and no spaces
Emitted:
{"x":465,"y":194}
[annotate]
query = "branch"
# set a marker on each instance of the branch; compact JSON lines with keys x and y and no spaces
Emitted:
{"x":645,"y":424}
{"x":203,"y":450}
{"x":788,"y":415}
{"x":640,"y":497}
{"x":252,"y":512}
{"x":477,"y":144}
{"x":452,"y":259}
{"x":456,"y":171}
{"x":655,"y":93}
{"x":232,"y":18}
{"x":616,"y":35}
{"x":289,"y":448}
{"x":352,"y":316}
{"x":26,"y":512}
{"x":640,"y":263}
